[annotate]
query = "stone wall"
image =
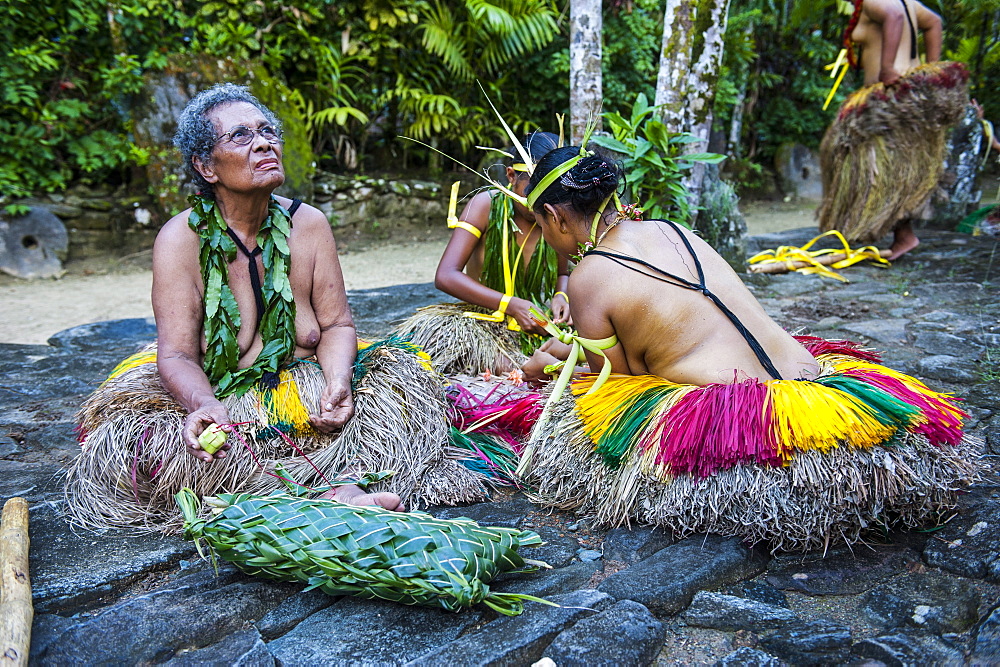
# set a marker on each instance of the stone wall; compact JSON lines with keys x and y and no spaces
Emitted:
{"x":102,"y":220}
{"x":379,"y":205}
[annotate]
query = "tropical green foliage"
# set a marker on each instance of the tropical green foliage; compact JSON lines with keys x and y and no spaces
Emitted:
{"x":363,"y":72}
{"x":654,"y":160}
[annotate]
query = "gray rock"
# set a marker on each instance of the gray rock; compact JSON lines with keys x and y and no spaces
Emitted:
{"x":631,"y":545}
{"x":195,"y":611}
{"x":588,"y":555}
{"x":32,"y":481}
{"x":929,"y":602}
{"x":948,"y":368}
{"x":70,"y":570}
{"x":292,"y":611}
{"x":547,"y":582}
{"x":33,"y":245}
{"x":518,"y":640}
{"x":244,"y":648}
{"x":792,"y":284}
{"x":131,"y":333}
{"x":968,"y":544}
{"x":986,"y":649}
{"x":8,"y":446}
{"x":957,"y":193}
{"x":355,"y":631}
{"x":816,"y":642}
{"x":666,"y":581}
{"x":937,"y":342}
{"x":624,"y":634}
{"x":558,"y":550}
{"x":885,"y":331}
{"x":900,"y":650}
{"x":45,"y":629}
{"x":749,"y":657}
{"x":508,"y":514}
{"x":948,"y":292}
{"x":731,"y":613}
{"x":761,"y":591}
{"x":798,"y":171}
{"x":375,"y":310}
{"x":842,"y":572}
{"x":928,"y":326}
{"x":941,"y":316}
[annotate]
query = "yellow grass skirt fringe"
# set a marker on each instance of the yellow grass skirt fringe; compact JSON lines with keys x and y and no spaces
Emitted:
{"x":826,"y":488}
{"x":882,"y":157}
{"x":463,"y":345}
{"x":132,"y":460}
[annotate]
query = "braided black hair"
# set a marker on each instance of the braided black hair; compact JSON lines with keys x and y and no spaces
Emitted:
{"x":583,"y":188}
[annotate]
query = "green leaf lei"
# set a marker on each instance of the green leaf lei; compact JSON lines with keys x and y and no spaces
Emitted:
{"x":222,"y":316}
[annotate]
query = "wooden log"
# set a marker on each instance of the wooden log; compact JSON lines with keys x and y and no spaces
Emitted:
{"x":16,"y":612}
{"x":782,"y":267}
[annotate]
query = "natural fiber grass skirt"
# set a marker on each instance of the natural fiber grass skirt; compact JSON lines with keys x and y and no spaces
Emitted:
{"x":817,"y":500}
{"x":463,"y":345}
{"x":798,"y":464}
{"x":882,"y":157}
{"x":132,"y":459}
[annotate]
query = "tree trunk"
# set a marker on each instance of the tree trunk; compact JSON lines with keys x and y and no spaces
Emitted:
{"x":736,"y":123}
{"x":703,"y":83}
{"x":675,"y":64}
{"x":585,"y":85}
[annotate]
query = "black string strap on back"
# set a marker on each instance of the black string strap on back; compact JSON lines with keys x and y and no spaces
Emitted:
{"x":677,"y":281}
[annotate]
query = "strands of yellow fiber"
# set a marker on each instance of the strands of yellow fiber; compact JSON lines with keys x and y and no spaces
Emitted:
{"x":803,"y":260}
{"x":600,"y":410}
{"x":284,"y":405}
{"x":137,"y":359}
{"x":808,"y":415}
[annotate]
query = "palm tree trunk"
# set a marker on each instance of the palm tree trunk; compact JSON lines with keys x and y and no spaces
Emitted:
{"x":585,"y":85}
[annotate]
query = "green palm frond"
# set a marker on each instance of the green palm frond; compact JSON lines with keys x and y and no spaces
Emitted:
{"x":369,"y":552}
{"x":439,"y":37}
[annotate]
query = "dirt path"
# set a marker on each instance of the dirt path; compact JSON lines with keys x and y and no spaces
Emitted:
{"x":115,"y":288}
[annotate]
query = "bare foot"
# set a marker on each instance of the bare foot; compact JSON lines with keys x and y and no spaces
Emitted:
{"x":352,"y":494}
{"x":904,"y":240}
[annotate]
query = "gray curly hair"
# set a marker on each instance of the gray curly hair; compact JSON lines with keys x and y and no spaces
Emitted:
{"x":195,"y":134}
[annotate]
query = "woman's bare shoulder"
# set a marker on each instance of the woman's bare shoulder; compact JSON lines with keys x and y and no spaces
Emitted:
{"x":175,"y":233}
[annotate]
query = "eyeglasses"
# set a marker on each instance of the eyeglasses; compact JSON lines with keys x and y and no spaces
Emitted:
{"x":241,"y":136}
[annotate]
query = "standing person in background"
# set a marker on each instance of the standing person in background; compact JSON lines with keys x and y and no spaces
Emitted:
{"x":882,"y":157}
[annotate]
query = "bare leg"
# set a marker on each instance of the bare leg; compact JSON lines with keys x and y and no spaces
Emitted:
{"x":355,"y":495}
{"x":904,"y":240}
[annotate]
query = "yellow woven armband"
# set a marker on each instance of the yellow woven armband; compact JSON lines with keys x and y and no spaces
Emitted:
{"x":469,"y":227}
{"x":497,"y":315}
{"x":563,"y":294}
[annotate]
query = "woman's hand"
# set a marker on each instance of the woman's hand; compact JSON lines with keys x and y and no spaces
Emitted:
{"x":560,"y":309}
{"x":198,"y":421}
{"x":518,"y":309}
{"x":336,"y":406}
{"x":534,"y":368}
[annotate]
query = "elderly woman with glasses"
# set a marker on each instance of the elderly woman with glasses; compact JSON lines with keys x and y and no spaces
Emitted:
{"x":256,"y":346}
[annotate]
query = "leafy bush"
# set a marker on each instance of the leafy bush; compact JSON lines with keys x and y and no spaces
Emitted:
{"x":654,"y":160}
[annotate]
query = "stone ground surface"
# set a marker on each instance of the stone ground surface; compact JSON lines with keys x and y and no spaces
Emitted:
{"x":629,"y":596}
